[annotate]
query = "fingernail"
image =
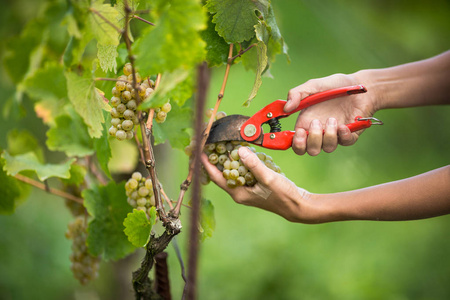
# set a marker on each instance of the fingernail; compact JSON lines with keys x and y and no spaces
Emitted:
{"x":332,"y":122}
{"x":316,"y":124}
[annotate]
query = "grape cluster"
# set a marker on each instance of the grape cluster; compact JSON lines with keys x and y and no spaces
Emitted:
{"x":139,"y":191}
{"x":225,"y":156}
{"x":84,"y":266}
{"x":161,"y":112}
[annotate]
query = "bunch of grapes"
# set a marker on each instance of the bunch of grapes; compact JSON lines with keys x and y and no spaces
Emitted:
{"x":161,"y":112}
{"x":139,"y":191}
{"x":84,"y":266}
{"x":225,"y":156}
{"x":124,"y":103}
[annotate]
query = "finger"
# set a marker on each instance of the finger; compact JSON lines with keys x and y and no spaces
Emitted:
{"x":299,"y":141}
{"x":296,"y":94}
{"x":330,"y":139}
{"x":214,"y":173}
{"x":262,"y":174}
{"x":345,"y":136}
{"x":315,"y":137}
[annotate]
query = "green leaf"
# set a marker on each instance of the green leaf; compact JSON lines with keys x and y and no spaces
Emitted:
{"x":276,"y":43}
{"x":107,"y":55}
{"x":102,"y":146}
{"x":12,"y":191}
{"x":70,"y":135}
{"x":19,"y":49}
{"x":104,"y":23}
{"x":175,"y":41}
{"x":20,"y":142}
{"x":262,"y":36}
{"x":77,"y":174}
{"x":108,"y":207}
{"x":235,"y":19}
{"x":169,"y":83}
{"x":174,"y":128}
{"x":29,"y":161}
{"x":216,"y":47}
{"x":138,"y":227}
{"x":87,"y":102}
{"x":46,"y":82}
{"x":207,"y":219}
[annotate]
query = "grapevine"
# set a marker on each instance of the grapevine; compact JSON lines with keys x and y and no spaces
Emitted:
{"x":94,"y":104}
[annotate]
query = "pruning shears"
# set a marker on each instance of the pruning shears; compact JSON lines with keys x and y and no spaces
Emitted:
{"x":249,"y":129}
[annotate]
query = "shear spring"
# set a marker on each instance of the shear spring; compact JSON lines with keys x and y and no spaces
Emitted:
{"x":275,"y":125}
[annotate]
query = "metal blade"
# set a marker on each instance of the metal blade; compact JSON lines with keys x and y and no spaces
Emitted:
{"x":227,"y":129}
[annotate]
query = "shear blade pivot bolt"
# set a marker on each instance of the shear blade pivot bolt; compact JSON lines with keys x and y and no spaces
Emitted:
{"x":250,"y":130}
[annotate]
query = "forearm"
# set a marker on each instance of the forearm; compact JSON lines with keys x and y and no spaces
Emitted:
{"x":425,"y":82}
{"x":423,"y":196}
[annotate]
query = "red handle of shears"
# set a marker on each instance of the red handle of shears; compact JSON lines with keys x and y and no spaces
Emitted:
{"x":283,"y":140}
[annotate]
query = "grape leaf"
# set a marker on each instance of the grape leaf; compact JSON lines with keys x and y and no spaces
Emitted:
{"x":87,"y":102}
{"x":262,"y":35}
{"x":70,"y":135}
{"x":138,"y":227}
{"x":46,"y":82}
{"x":105,"y":32}
{"x":235,"y":19}
{"x":20,"y":142}
{"x":276,"y":42}
{"x":19,"y":49}
{"x":12,"y":191}
{"x":169,"y":82}
{"x":108,"y":207}
{"x":102,"y":146}
{"x":174,"y":128}
{"x":77,"y":174}
{"x":29,"y":161}
{"x":106,"y":55}
{"x":207,"y":220}
{"x":175,"y":41}
{"x":216,"y":47}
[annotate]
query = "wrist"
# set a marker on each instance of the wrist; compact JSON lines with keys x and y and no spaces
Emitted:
{"x":375,"y":90}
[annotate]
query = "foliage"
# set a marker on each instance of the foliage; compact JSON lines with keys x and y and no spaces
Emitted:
{"x":64,"y":64}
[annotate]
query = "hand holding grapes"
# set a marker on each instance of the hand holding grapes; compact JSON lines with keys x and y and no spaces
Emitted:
{"x":272,"y":192}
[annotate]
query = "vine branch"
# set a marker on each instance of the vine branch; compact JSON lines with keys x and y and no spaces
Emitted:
{"x":48,"y":189}
{"x":143,"y":20}
{"x":185,"y":185}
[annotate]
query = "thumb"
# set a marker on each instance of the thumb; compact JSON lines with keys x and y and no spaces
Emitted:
{"x":253,"y":164}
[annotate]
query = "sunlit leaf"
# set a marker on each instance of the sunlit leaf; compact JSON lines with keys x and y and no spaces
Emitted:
{"x":138,"y":227}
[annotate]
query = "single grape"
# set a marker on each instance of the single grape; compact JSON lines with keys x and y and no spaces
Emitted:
{"x":127,"y":125}
{"x":121,"y":108}
{"x":126,"y":96}
{"x":220,"y":115}
{"x":240,"y":181}
{"x":235,"y":154}
{"x":151,"y":202}
{"x":227,"y":164}
{"x":132,"y":183}
{"x":121,"y":135}
{"x":149,"y":184}
{"x":120,"y":85}
{"x":114,"y":113}
{"x":222,"y":158}
{"x":143,"y":191}
{"x":128,"y":114}
{"x":242,"y":170}
{"x":141,"y":201}
{"x":209,"y":112}
{"x":210,"y":147}
{"x":131,"y":104}
{"x":229,"y":146}
{"x":261,"y":156}
{"x":231,"y":183}
{"x":127,"y":69}
{"x":226,"y":173}
{"x":148,"y":92}
{"x":129,"y":88}
{"x":137,"y":176}
{"x":161,"y":115}
{"x":234,"y":164}
{"x":135,"y":120}
{"x":234,"y":174}
{"x":115,"y":101}
{"x":166,"y":107}
{"x":115,"y":92}
{"x":112,"y":130}
{"x":213,"y":158}
{"x":221,"y":148}
{"x":115,"y":121}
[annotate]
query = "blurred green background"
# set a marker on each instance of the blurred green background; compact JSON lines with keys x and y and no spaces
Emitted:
{"x":254,"y":254}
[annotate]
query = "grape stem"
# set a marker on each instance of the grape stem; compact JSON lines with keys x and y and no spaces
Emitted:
{"x":241,"y":52}
{"x":143,"y":20}
{"x":185,"y":185}
{"x":48,"y":189}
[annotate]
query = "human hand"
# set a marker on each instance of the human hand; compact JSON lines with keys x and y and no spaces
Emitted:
{"x":273,"y":191}
{"x":326,"y":121}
